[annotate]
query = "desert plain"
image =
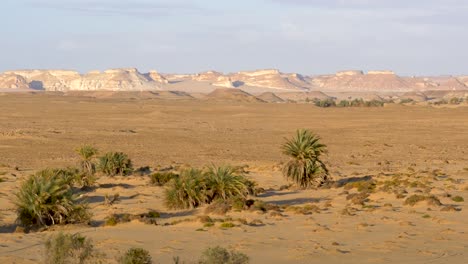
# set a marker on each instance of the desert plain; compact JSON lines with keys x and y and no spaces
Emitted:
{"x":397,"y":151}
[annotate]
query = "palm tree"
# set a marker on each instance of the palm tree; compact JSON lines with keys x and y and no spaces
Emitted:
{"x":186,"y":191}
{"x":46,"y":198}
{"x":87,"y":154}
{"x":305,"y":166}
{"x":225,"y":182}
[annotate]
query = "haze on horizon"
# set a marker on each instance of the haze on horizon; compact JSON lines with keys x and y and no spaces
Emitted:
{"x":310,"y":37}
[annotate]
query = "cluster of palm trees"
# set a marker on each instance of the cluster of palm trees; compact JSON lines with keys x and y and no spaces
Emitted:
{"x":49,"y":196}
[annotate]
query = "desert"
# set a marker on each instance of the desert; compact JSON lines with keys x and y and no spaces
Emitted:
{"x":397,"y":171}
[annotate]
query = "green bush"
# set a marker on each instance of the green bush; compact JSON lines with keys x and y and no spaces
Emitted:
{"x":68,"y":249}
{"x":115,"y":163}
{"x":186,"y":191}
{"x":226,"y":225}
{"x":325,"y":103}
{"x":344,"y":103}
{"x":136,"y":256}
{"x":195,"y":187}
{"x":161,"y":178}
{"x":219,"y":255}
{"x":458,"y":199}
{"x":46,"y":198}
{"x":225,"y":183}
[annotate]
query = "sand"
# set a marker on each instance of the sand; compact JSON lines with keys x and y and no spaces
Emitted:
{"x":424,"y":145}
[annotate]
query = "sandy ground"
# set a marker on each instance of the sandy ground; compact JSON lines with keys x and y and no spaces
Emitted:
{"x":423,"y":145}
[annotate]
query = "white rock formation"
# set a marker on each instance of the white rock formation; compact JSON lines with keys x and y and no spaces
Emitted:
{"x":13,"y":81}
{"x":157,"y":77}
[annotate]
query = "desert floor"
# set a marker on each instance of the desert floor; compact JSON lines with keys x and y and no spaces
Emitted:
{"x":408,"y":149}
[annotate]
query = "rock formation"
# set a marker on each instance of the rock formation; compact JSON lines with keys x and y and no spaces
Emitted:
{"x":270,"y":97}
{"x":13,"y":81}
{"x":229,"y":94}
{"x":157,"y":77}
{"x":255,"y":82}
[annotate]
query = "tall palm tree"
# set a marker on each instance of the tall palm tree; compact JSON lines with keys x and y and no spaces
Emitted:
{"x":305,"y":167}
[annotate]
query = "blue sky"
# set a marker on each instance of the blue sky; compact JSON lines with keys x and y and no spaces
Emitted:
{"x":417,"y":37}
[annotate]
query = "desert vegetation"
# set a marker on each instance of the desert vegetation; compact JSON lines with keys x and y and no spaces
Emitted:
{"x":115,"y":163}
{"x":358,"y":102}
{"x":63,"y":248}
{"x":155,"y":206}
{"x":70,"y":249}
{"x":305,"y":166}
{"x":195,"y":187}
{"x":46,"y":198}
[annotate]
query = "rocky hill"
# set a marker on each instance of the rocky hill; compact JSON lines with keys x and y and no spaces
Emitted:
{"x":254,"y":82}
{"x":226,"y":94}
{"x":13,"y":81}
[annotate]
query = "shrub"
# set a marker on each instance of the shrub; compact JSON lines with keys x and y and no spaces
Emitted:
{"x":456,"y":100}
{"x":87,"y":153}
{"x":361,"y":186}
{"x":67,"y":249}
{"x":416,"y":198}
{"x":85,"y":180}
{"x":406,"y":101}
{"x":115,"y":163}
{"x":219,"y":207}
{"x":219,"y":255}
{"x":458,"y":199}
{"x":161,"y":178}
{"x":224,"y":183}
{"x":227,"y":225}
{"x":305,"y":167}
{"x":186,"y":191}
{"x":136,"y":256}
{"x":325,"y":103}
{"x":344,"y":103}
{"x":46,"y":198}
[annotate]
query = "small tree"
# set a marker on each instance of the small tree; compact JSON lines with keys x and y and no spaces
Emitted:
{"x":87,"y":153}
{"x":305,"y":167}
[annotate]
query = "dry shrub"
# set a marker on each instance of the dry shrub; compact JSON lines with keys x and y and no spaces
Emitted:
{"x":70,"y":249}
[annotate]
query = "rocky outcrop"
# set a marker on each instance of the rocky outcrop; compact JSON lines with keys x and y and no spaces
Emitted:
{"x":207,"y":76}
{"x":303,"y":96}
{"x":50,"y":80}
{"x":156,"y":77}
{"x":224,"y":81}
{"x":236,"y":95}
{"x":111,"y":80}
{"x":13,"y":81}
{"x":349,"y":73}
{"x":270,"y":97}
{"x":355,"y":81}
{"x":272,"y":79}
{"x":114,"y":80}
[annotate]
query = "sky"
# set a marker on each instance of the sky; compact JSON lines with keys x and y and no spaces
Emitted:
{"x":410,"y":37}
